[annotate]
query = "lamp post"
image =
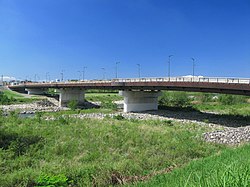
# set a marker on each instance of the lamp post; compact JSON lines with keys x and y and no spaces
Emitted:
{"x":103,"y":69}
{"x":62,"y":75}
{"x":47,"y":76}
{"x":169,"y":60}
{"x":83,"y":72}
{"x":116,"y":69}
{"x":80,"y":73}
{"x":193,"y":66}
{"x":139,"y":70}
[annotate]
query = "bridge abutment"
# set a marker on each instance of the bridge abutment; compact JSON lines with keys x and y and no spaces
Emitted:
{"x":35,"y":91}
{"x":67,"y":95}
{"x":136,"y":101}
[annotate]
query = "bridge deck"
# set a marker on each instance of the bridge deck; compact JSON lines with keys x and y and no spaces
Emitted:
{"x":196,"y":84}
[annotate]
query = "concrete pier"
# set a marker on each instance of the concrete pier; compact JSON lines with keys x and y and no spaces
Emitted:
{"x":69,"y":94}
{"x":136,"y":101}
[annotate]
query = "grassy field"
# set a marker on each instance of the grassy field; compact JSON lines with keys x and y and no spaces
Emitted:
{"x":229,"y":168}
{"x":90,"y":152}
{"x":94,"y":152}
{"x":16,"y":98}
{"x":100,"y":97}
{"x":218,"y":103}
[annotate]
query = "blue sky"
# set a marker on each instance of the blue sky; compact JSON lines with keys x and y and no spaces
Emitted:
{"x":39,"y":36}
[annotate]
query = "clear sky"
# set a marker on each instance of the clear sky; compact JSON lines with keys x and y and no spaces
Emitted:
{"x":39,"y":36}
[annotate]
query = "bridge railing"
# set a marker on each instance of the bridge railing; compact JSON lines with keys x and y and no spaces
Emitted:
{"x":188,"y":79}
{"x":159,"y":79}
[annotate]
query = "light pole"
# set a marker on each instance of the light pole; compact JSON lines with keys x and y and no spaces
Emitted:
{"x":47,"y":76}
{"x":83,"y":72}
{"x":103,"y":69}
{"x":193,"y":66}
{"x":116,"y":69}
{"x":139,"y":70}
{"x":62,"y":76}
{"x":80,"y":73}
{"x":169,"y":60}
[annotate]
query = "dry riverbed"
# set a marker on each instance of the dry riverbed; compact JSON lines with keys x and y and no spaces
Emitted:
{"x":225,"y":129}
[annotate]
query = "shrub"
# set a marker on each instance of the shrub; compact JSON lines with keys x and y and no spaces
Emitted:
{"x":118,"y":117}
{"x":109,"y":105}
{"x":174,"y":99}
{"x":72,"y":104}
{"x":55,"y":181}
{"x":4,"y":99}
{"x":205,"y":97}
{"x":231,"y":99}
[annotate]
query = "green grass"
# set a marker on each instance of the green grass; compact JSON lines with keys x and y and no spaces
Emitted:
{"x":242,"y":109}
{"x":17,"y":98}
{"x":231,"y":168}
{"x":100,"y":97}
{"x":13,"y":94}
{"x":91,"y":152}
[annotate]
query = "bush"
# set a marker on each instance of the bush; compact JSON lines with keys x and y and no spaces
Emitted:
{"x":56,"y":180}
{"x":109,"y":105}
{"x":205,"y":97}
{"x":4,"y":100}
{"x":118,"y":117}
{"x":72,"y":104}
{"x":231,"y":99}
{"x":174,"y":99}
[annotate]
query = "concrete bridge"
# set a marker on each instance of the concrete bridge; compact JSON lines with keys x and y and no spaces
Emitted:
{"x":139,"y":94}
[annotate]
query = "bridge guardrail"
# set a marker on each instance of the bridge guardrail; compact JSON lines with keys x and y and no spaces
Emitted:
{"x":188,"y":79}
{"x":158,"y":79}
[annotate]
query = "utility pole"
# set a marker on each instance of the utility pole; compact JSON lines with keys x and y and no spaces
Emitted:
{"x":116,"y":69}
{"x":193,"y":66}
{"x":139,"y":70}
{"x":169,"y":60}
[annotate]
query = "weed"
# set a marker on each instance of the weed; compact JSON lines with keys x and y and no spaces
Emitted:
{"x":52,"y":180}
{"x":72,"y":104}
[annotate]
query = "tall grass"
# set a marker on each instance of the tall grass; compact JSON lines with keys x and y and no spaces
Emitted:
{"x":93,"y":152}
{"x":231,"y":168}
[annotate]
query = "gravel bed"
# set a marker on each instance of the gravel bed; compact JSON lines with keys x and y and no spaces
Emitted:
{"x":234,"y":130}
{"x":232,"y":137}
{"x":46,"y":105}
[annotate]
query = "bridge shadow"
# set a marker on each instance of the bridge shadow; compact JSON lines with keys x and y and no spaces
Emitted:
{"x":189,"y":113}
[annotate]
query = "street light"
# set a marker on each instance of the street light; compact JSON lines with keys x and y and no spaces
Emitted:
{"x":139,"y":70}
{"x":62,"y":76}
{"x":116,"y":69}
{"x":35,"y":77}
{"x":169,"y":59}
{"x":83,"y":73}
{"x":103,"y":73}
{"x":80,"y":73}
{"x":193,"y":66}
{"x":47,"y":77}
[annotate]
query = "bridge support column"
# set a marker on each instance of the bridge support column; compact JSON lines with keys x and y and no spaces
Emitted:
{"x":137,"y":101}
{"x":69,"y":94}
{"x":34,"y":91}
